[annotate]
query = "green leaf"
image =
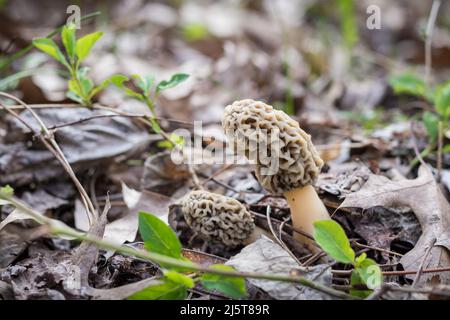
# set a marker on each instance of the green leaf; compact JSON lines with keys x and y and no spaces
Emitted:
{"x":446,"y":149}
{"x":155,"y":125}
{"x":431,"y":123}
{"x":167,"y":291}
{"x":174,"y":81}
{"x":49,"y":47}
{"x":144,"y":83}
{"x":11,"y":81}
{"x":83,"y":72}
{"x":370,"y":273}
{"x":360,"y":259}
{"x":158,"y":237}
{"x":355,"y":281}
{"x":349,"y":24}
{"x":115,"y":79}
{"x":179,"y":278}
{"x":87,"y":85}
{"x":442,"y":100}
{"x":74,"y":97}
{"x":333,"y":240}
{"x":74,"y":87}
{"x":7,"y":190}
{"x":408,"y":83}
{"x":69,"y":39}
{"x":231,"y":286}
{"x":169,"y":144}
{"x":84,"y":45}
{"x":131,"y":93}
{"x":195,"y":31}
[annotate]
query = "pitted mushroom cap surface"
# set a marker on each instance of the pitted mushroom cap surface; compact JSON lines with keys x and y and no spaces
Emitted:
{"x":217,"y":218}
{"x":298,"y":165}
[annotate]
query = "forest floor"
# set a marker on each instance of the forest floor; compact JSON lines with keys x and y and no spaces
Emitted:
{"x":84,"y":167}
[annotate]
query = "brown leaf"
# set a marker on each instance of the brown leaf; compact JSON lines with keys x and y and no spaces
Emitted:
{"x":431,"y":208}
{"x":202,"y":258}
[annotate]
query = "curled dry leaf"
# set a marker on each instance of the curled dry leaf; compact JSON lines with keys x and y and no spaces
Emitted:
{"x":431,"y":208}
{"x":86,"y":144}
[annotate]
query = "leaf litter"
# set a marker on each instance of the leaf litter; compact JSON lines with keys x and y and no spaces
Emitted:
{"x":242,"y":52}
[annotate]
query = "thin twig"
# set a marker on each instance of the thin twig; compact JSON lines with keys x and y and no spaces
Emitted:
{"x":117,"y":113}
{"x":415,"y":144}
{"x":439,"y":155}
{"x":429,"y":39}
{"x":292,"y":228}
{"x":315,"y":257}
{"x":48,"y":140}
{"x":395,"y":273}
{"x":141,"y":117}
{"x":376,"y":249}
{"x":279,"y":240}
{"x":217,"y":173}
{"x":420,"y":270}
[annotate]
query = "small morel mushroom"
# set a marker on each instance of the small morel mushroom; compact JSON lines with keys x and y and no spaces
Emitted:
{"x":286,"y":161}
{"x":218,"y":218}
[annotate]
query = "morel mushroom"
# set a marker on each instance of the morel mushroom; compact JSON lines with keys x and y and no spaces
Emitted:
{"x":218,"y":218}
{"x":290,"y":163}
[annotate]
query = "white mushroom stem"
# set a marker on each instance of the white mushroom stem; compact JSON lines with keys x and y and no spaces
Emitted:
{"x":306,"y":208}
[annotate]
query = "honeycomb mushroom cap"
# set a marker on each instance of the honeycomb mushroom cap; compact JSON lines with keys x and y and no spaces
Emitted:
{"x":299,"y":164}
{"x":217,"y":218}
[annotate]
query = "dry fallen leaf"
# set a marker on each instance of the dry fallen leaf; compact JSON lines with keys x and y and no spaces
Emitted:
{"x":125,"y":228}
{"x":12,"y":244}
{"x":265,"y":256}
{"x":40,"y":200}
{"x":429,"y":205}
{"x":87,"y":144}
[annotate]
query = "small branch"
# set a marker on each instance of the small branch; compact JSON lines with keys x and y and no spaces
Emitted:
{"x":279,"y":240}
{"x":440,"y":146}
{"x":290,"y":227}
{"x":346,"y":273}
{"x":376,"y":249}
{"x":141,"y":117}
{"x":49,"y":141}
{"x":316,"y":256}
{"x":415,"y":145}
{"x":419,"y":272}
{"x":100,"y":116}
{"x":429,"y":39}
{"x":117,"y":113}
{"x":217,"y":173}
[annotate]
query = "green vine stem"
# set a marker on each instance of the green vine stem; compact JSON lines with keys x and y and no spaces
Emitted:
{"x":58,"y":228}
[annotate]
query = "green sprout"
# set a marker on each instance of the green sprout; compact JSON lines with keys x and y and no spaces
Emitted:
{"x":366,"y":274}
{"x":436,"y":121}
{"x":81,"y":87}
{"x":148,"y":93}
{"x":175,"y":283}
